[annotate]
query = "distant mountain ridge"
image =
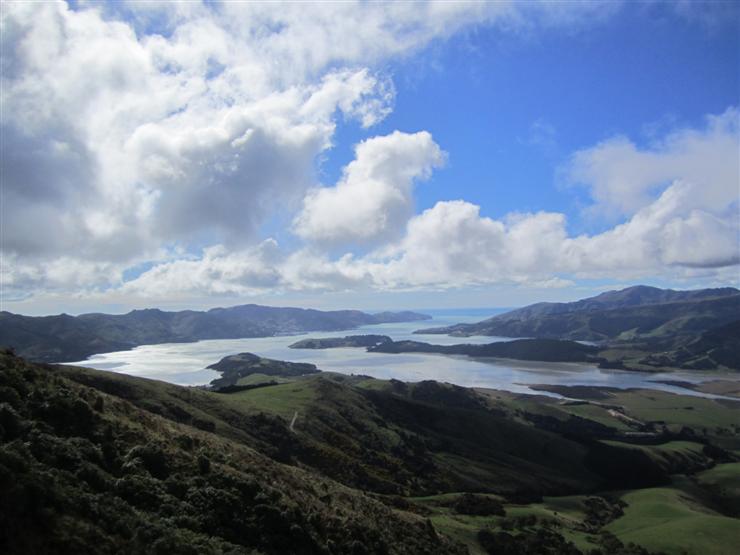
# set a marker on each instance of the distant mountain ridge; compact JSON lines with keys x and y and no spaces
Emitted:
{"x":622,"y":315}
{"x":65,"y":338}
{"x":639,"y":328}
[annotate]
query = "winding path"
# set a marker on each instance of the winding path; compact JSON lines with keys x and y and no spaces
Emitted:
{"x":292,"y":422}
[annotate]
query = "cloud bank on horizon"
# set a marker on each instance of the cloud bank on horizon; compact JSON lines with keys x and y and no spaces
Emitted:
{"x":147,"y":146}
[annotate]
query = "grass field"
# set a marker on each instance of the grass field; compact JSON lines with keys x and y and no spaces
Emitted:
{"x":568,"y":511}
{"x":597,"y":414}
{"x":678,"y":410}
{"x":283,"y":399}
{"x":677,"y":519}
{"x":725,"y":476}
{"x":682,"y":453}
{"x":255,"y":379}
{"x":724,"y":482}
{"x":671,"y":520}
{"x":720,"y":387}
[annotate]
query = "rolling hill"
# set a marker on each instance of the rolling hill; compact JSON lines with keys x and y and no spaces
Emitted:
{"x":548,"y":350}
{"x":638,"y":311}
{"x":99,"y":462}
{"x":639,"y":328}
{"x":65,"y":338}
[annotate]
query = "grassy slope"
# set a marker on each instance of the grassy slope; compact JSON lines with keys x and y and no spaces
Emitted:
{"x":716,"y":488}
{"x":88,"y":471}
{"x":410,"y":441}
{"x":675,"y":519}
{"x":284,"y":399}
{"x":671,"y":520}
{"x":690,"y":515}
{"x":391,"y":437}
{"x":720,"y":387}
{"x":723,"y":481}
{"x":427,"y":438}
{"x":715,"y":420}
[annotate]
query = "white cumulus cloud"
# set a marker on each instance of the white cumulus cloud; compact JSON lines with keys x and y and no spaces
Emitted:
{"x":374,"y":199}
{"x":622,"y":177}
{"x":164,"y":134}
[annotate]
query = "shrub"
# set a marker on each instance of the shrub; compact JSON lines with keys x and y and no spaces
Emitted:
{"x":10,"y":422}
{"x":204,"y":464}
{"x":152,"y":458}
{"x":478,"y":505}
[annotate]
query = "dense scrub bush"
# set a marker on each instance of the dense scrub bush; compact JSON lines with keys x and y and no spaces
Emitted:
{"x":152,"y":457}
{"x":478,"y":505}
{"x":78,"y":475}
{"x":540,"y":542}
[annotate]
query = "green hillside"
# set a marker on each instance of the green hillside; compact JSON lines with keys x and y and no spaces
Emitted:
{"x":638,"y":328}
{"x":85,"y":470}
{"x":98,"y":462}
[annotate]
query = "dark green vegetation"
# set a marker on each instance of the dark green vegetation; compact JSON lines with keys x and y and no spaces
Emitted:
{"x":66,"y":338}
{"x":714,"y":348}
{"x":691,"y":505}
{"x":592,"y":319}
{"x":335,"y":342}
{"x":236,"y":370}
{"x":641,"y":328}
{"x":548,"y":350}
{"x":98,"y":462}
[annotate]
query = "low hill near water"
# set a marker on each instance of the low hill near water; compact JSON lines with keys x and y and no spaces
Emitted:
{"x":234,"y":368}
{"x":368,"y":340}
{"x":95,"y":463}
{"x":65,"y":338}
{"x":546,"y":350}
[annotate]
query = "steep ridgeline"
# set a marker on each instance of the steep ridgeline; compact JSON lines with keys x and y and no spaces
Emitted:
{"x":628,"y":314}
{"x":65,"y":338}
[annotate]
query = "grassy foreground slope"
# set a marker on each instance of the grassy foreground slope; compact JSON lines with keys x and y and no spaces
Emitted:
{"x":100,"y":462}
{"x":672,"y":520}
{"x":387,"y":437}
{"x":83,"y":470}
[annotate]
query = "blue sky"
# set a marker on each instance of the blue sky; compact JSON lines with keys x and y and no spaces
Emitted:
{"x":510,"y":110}
{"x":365,"y":155}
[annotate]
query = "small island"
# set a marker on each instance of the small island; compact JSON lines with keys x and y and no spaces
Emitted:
{"x":240,"y":369}
{"x":335,"y":342}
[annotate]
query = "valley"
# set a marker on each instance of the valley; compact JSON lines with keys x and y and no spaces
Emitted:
{"x":457,"y":469}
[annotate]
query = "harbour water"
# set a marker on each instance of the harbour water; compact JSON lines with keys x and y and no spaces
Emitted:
{"x":185,"y":363}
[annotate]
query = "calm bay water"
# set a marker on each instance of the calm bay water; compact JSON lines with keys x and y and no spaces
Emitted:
{"x":185,"y":363}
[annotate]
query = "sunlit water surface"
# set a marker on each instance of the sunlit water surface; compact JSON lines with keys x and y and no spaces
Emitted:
{"x":185,"y":363}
